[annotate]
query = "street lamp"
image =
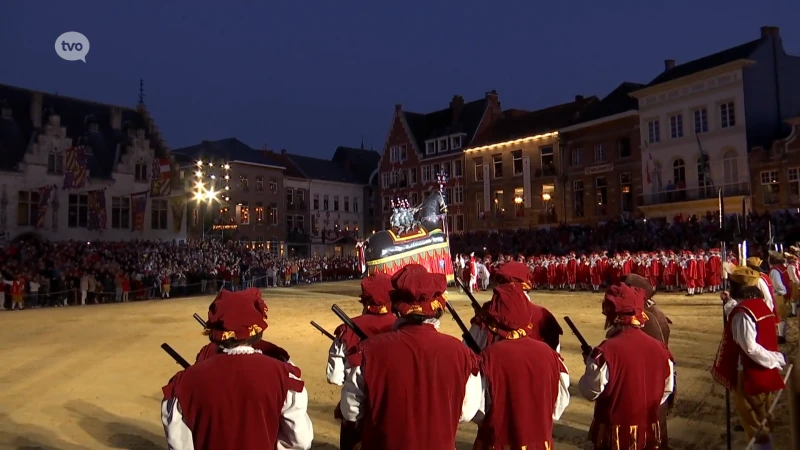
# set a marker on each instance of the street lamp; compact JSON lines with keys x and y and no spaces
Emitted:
{"x":546,"y":197}
{"x":207,"y":190}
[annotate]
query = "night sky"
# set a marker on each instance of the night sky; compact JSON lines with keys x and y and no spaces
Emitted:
{"x":318,"y":74}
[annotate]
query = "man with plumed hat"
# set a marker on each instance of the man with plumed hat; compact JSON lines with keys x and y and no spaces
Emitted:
{"x":628,"y":376}
{"x":526,"y":383}
{"x":375,"y":319}
{"x":748,"y":362}
{"x":238,"y":399}
{"x":265,"y":347}
{"x":410,"y":388}
{"x":781,"y":291}
{"x":764,"y":283}
{"x":542,"y":325}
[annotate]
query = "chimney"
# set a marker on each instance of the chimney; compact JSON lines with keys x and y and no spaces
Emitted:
{"x":36,"y":109}
{"x":493,"y":92}
{"x":398,"y":107}
{"x":116,"y":118}
{"x":770,"y":32}
{"x":669,"y":64}
{"x":456,"y":106}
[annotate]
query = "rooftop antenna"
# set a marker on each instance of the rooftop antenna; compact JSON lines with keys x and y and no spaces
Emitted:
{"x":362,"y":141}
{"x":141,"y":91}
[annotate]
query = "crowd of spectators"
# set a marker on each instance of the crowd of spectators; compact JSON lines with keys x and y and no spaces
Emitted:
{"x":67,"y":273}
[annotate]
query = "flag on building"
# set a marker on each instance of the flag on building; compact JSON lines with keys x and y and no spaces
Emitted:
{"x":75,"y":172}
{"x":98,"y":216}
{"x":161,"y":182}
{"x":704,"y":162}
{"x":138,"y":210}
{"x":45,"y":193}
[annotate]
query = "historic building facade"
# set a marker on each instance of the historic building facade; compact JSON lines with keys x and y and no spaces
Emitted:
{"x":602,"y":160}
{"x":698,"y":121}
{"x":76,"y":169}
{"x":513,"y":169}
{"x":775,"y":172}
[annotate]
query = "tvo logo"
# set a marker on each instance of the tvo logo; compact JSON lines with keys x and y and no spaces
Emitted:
{"x":72,"y":46}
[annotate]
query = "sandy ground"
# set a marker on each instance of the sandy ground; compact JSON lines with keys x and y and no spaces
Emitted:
{"x":90,"y":377}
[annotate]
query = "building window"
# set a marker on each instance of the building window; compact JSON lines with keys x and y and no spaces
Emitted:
{"x":446,"y":169}
{"x":121,"y":212}
{"x":479,"y":205}
{"x":599,"y":153}
{"x":448,"y":195}
{"x":700,"y":121}
{"x":676,"y":126}
{"x":140,"y":172}
{"x":458,"y":168}
{"x":55,"y":162}
{"x":577,"y":198}
{"x":403,"y":152}
{"x":273,"y":215}
{"x":355,"y":204}
{"x":414,"y":199}
{"x":259,"y":184}
{"x":730,"y":168}
{"x":548,"y":160}
{"x":273,"y":186}
{"x":626,"y":186}
{"x":459,"y":223}
{"x":575,"y":157}
{"x":770,"y":187}
{"x":455,"y":142}
{"x":430,"y":147}
{"x":289,"y":198}
{"x":244,"y":183}
{"x":478,"y":168}
{"x":499,"y":203}
{"x":347,"y":204}
{"x":289,"y":223}
{"x":794,"y":185}
{"x":624,"y":147}
{"x":299,"y":224}
{"x":519,"y":202}
{"x":158,"y":214}
{"x":516,"y":158}
{"x":325,"y":202}
{"x":548,"y":192}
{"x":426,"y":174}
{"x":679,"y":174}
{"x":300,"y":196}
{"x":703,"y":171}
{"x":458,"y":195}
{"x":386,"y":179}
{"x":335,"y":202}
{"x":259,"y":210}
{"x":394,"y":154}
{"x":412,"y":176}
{"x":316,"y":202}
{"x":601,"y":195}
{"x":497,"y":164}
{"x":727,"y":115}
{"x":28,"y":208}
{"x":78,"y":212}
{"x":653,"y":132}
{"x":442,"y":145}
{"x":244,"y":213}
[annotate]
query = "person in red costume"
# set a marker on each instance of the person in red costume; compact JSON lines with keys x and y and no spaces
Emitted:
{"x":410,"y":388}
{"x":238,"y":399}
{"x":628,"y":392}
{"x":375,"y":319}
{"x":526,"y":383}
{"x":541,"y":324}
{"x":690,"y":273}
{"x":473,"y":273}
{"x":265,"y":347}
{"x":748,"y":362}
{"x":571,"y":268}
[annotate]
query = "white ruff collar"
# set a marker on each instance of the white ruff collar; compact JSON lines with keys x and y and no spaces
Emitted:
{"x":240,"y":350}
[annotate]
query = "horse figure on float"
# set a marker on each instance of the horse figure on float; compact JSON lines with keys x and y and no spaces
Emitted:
{"x":657,"y":328}
{"x":415,"y":232}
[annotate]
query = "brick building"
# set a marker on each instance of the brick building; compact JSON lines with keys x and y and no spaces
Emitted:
{"x":775,"y":172}
{"x":419,"y":146}
{"x":602,"y":159}
{"x":513,"y":168}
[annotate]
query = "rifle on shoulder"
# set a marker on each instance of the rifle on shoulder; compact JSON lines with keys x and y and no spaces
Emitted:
{"x":586,"y":349}
{"x":177,"y":357}
{"x":465,"y":334}
{"x":348,"y":322}
{"x":322,"y":330}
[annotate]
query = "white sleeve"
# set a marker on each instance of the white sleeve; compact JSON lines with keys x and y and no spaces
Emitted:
{"x":728,"y":307}
{"x":562,"y":401}
{"x":669,"y":382}
{"x":777,"y":282}
{"x":793,"y":274}
{"x":743,"y":329}
{"x":296,"y":431}
{"x":179,"y":436}
{"x":767,"y":293}
{"x":336,"y":363}
{"x":480,"y":335}
{"x":352,"y":395}
{"x":594,"y":380}
{"x":473,"y":398}
{"x":486,"y":402}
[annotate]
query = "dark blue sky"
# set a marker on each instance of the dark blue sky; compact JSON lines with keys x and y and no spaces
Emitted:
{"x":318,"y":74}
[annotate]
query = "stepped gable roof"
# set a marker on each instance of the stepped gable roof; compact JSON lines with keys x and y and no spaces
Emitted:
{"x":77,"y":116}
{"x":360,"y":162}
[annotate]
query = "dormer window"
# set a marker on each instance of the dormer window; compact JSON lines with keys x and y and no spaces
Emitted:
{"x":455,"y":142}
{"x":55,"y":161}
{"x":430,"y":147}
{"x":442,"y":145}
{"x":140,"y":172}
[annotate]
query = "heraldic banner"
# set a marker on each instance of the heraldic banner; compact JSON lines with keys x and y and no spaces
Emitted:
{"x":98,"y":215}
{"x":44,"y":199}
{"x":138,"y":210}
{"x":178,"y":206}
